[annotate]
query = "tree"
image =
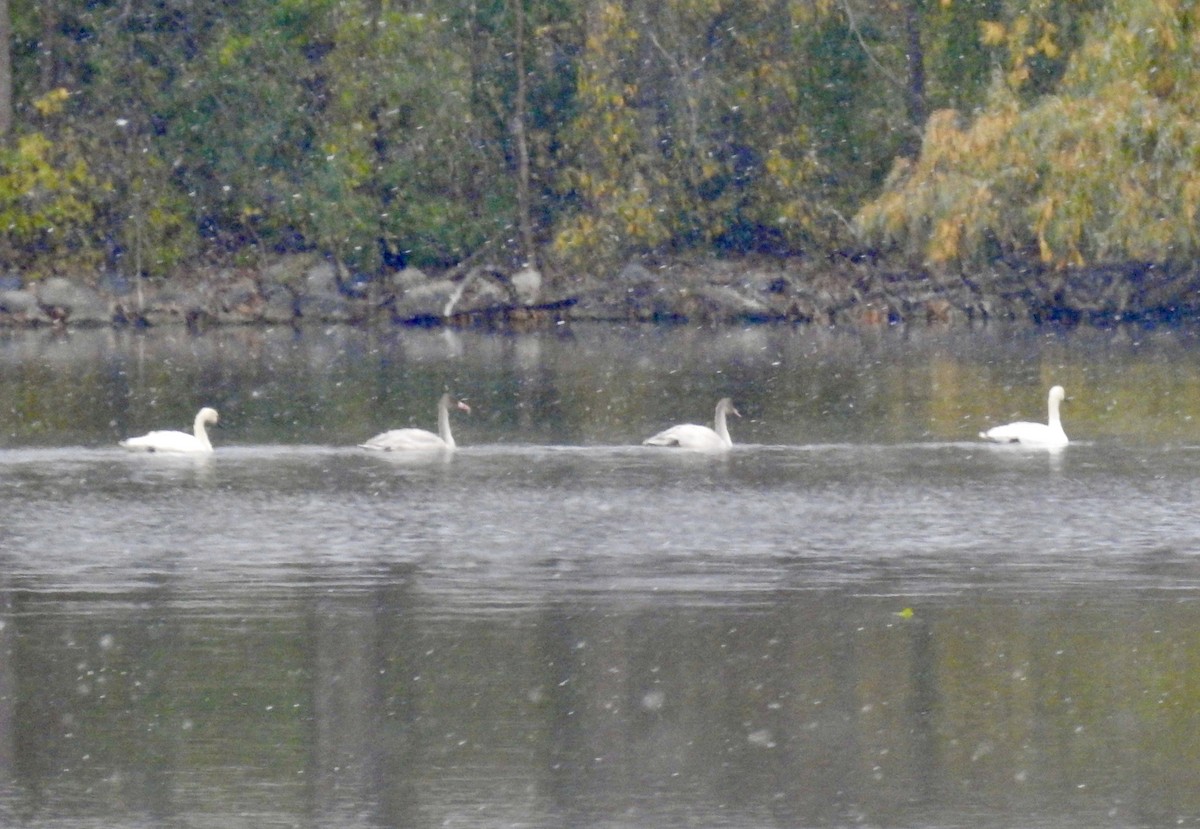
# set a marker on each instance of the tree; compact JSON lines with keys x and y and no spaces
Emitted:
{"x":520,"y":138}
{"x":689,"y":131}
{"x":6,"y":77}
{"x":1101,"y":170}
{"x":401,"y":143}
{"x":46,"y":200}
{"x":523,"y":71}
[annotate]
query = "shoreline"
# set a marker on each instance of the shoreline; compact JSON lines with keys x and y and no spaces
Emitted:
{"x":306,"y":289}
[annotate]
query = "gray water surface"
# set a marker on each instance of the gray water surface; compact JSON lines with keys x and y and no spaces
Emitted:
{"x":861,"y":616}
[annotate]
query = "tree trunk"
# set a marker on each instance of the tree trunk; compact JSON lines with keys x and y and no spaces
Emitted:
{"x":47,"y":73}
{"x":915,"y":54}
{"x":6,"y":101}
{"x":521,"y":140}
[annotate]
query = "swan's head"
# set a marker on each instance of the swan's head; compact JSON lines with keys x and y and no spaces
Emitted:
{"x":725,"y":406}
{"x":1057,"y":395}
{"x":447,"y":401}
{"x":207,"y":415}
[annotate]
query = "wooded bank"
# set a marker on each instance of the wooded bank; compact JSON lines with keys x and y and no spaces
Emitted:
{"x":947,"y":141}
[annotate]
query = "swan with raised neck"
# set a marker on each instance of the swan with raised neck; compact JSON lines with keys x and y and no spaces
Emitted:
{"x":1049,"y":434}
{"x":700,"y":438}
{"x":171,"y":441}
{"x":407,"y":440}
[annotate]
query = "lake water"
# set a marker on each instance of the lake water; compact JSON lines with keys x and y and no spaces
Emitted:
{"x":861,"y":616}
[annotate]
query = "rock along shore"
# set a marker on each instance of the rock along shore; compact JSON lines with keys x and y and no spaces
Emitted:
{"x":303,"y":289}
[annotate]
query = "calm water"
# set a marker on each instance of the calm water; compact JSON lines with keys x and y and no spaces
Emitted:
{"x":859,"y":617}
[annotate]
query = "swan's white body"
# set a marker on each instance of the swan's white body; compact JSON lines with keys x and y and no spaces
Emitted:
{"x":1033,"y":434}
{"x":170,"y":441}
{"x":408,"y":440}
{"x":701,"y":438}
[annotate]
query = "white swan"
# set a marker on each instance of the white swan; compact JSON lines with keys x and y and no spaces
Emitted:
{"x":170,"y":441}
{"x":402,"y":440}
{"x":1033,"y":434}
{"x":691,"y":436}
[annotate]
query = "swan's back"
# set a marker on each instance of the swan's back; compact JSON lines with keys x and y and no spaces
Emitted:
{"x":1034,"y":434}
{"x":402,"y":440}
{"x":408,"y":440}
{"x":166,"y":441}
{"x":688,"y":436}
{"x":702,"y":438}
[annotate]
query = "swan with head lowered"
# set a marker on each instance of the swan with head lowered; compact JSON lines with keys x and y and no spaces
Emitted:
{"x":171,"y":441}
{"x":702,"y":438}
{"x":407,"y":440}
{"x":1033,"y":434}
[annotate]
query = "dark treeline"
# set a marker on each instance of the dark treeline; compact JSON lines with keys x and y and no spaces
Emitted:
{"x":144,"y":136}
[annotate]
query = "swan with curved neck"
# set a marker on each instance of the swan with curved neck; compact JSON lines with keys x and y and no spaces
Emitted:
{"x":702,"y":438}
{"x":171,"y":441}
{"x":1034,"y":434}
{"x":405,"y":440}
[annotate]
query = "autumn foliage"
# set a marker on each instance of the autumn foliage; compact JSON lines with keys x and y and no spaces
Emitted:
{"x":577,"y":134}
{"x":1105,"y":167}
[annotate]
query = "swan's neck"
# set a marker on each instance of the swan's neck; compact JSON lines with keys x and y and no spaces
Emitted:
{"x":444,"y":424}
{"x":200,"y":432}
{"x":1055,"y":420}
{"x":720,"y":428}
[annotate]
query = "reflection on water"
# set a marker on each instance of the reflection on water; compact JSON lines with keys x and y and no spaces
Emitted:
{"x":861,"y":616}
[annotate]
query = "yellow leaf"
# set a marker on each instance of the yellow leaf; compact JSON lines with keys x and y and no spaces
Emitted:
{"x":52,"y":102}
{"x":992,"y":33}
{"x":944,"y":244}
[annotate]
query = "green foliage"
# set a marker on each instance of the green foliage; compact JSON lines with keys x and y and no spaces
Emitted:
{"x":240,"y":121}
{"x":959,"y":64}
{"x":46,"y":201}
{"x":398,"y":161}
{"x":688,"y":131}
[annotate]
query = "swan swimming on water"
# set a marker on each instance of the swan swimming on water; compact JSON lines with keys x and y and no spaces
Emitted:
{"x":171,"y":441}
{"x":691,"y":436}
{"x":1033,"y":434}
{"x":401,"y":440}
